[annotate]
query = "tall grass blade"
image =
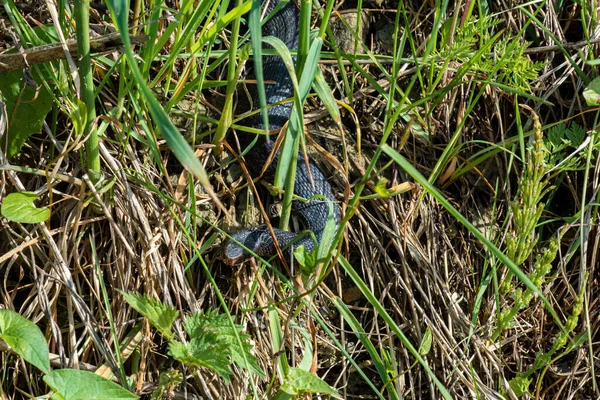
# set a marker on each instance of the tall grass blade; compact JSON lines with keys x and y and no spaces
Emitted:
{"x":416,"y":175}
{"x":181,"y":149}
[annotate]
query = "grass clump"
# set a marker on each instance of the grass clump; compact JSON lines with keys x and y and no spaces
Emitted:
{"x":419,"y":131}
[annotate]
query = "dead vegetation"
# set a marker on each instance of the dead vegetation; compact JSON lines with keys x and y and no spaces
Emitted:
{"x":467,"y":126}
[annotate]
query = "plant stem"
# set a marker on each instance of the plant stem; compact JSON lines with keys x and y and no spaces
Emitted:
{"x":86,"y":95}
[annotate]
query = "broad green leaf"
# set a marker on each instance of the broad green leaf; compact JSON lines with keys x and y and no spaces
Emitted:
{"x":204,"y":352}
{"x":19,"y":207}
{"x":160,"y":315}
{"x":201,"y":323}
{"x":72,"y":384}
{"x":519,"y":385}
{"x":298,"y":381}
{"x":425,"y":346}
{"x":241,"y":355}
{"x":591,"y":94}
{"x":204,"y":326}
{"x":25,"y":339}
{"x":26,"y":109}
{"x":306,"y":259}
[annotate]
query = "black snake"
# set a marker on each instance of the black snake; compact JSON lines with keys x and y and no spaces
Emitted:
{"x":310,"y":180}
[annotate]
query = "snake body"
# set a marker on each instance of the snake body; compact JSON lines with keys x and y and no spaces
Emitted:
{"x":310,"y":180}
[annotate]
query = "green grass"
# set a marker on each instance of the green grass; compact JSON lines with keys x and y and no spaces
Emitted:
{"x":477,"y":283}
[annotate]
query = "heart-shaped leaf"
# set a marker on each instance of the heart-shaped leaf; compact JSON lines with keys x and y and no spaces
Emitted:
{"x":25,"y":338}
{"x":19,"y":207}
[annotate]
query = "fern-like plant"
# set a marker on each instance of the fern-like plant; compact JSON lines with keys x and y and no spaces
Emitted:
{"x":522,"y":239}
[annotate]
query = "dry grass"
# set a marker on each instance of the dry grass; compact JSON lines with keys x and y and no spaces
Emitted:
{"x":418,"y":261}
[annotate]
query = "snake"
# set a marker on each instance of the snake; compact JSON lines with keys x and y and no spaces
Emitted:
{"x":310,"y":184}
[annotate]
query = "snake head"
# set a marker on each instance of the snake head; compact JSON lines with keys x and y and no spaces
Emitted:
{"x":256,"y":238}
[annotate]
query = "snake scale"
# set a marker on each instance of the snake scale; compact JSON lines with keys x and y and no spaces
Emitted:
{"x":310,"y":180}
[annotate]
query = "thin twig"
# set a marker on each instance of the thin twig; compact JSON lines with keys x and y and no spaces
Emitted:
{"x":53,"y":52}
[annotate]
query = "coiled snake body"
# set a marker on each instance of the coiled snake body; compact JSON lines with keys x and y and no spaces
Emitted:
{"x":312,"y":214}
